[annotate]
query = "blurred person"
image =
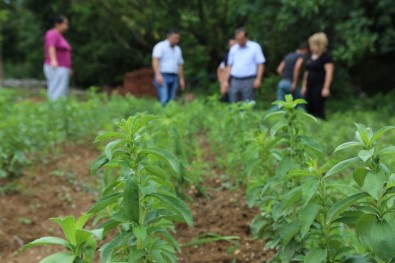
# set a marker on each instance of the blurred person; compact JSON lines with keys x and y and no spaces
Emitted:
{"x":289,"y":70}
{"x":245,"y":68}
{"x":221,"y":71}
{"x":58,"y":64}
{"x":167,"y":62}
{"x":318,"y":76}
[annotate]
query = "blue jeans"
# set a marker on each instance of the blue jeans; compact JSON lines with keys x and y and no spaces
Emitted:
{"x":284,"y":88}
{"x":168,"y":90}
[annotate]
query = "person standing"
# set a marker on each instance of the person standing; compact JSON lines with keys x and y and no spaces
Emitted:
{"x":318,"y":76}
{"x":289,"y":70}
{"x":245,"y":68}
{"x":57,"y":64}
{"x":167,"y":62}
{"x":221,"y":71}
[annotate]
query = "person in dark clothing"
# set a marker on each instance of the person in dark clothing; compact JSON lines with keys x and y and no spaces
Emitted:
{"x":221,"y":70}
{"x":318,"y":75}
{"x":289,"y":70}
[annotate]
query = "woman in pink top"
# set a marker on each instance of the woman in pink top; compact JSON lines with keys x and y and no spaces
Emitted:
{"x":57,"y":66}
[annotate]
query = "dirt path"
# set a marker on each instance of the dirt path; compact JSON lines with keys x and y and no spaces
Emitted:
{"x":224,"y":213}
{"x":64,"y":187}
{"x":61,"y":187}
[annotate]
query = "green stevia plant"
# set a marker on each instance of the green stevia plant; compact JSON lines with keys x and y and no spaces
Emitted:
{"x":80,"y":243}
{"x":370,"y":207}
{"x":282,"y":196}
{"x":141,"y":205}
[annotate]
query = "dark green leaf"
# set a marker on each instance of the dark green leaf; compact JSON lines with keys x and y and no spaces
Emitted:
{"x":316,"y":255}
{"x":306,"y":217}
{"x":98,"y":163}
{"x":131,"y":200}
{"x":341,"y":206}
{"x":341,"y":166}
{"x":176,"y":205}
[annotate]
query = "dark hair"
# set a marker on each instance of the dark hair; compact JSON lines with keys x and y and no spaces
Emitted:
{"x":173,"y":31}
{"x":57,"y":19}
{"x":242,"y":30}
{"x":304,"y":45}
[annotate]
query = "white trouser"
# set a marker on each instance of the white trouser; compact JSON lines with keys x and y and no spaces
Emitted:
{"x":57,"y":81}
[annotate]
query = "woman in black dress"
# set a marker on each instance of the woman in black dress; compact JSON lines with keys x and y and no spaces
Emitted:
{"x":318,"y":75}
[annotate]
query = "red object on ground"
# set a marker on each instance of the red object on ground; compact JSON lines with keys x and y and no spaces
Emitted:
{"x":139,"y":83}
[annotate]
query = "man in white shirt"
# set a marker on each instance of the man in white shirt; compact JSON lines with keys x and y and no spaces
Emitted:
{"x":167,"y":62}
{"x":245,"y":68}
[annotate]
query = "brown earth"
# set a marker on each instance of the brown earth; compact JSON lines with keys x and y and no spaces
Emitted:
{"x":64,"y":186}
{"x":61,"y":187}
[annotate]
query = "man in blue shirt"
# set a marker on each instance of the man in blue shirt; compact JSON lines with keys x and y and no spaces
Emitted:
{"x":167,"y":62}
{"x":245,"y":68}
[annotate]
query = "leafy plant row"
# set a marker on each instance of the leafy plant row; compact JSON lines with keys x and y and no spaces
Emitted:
{"x":307,"y":216}
{"x":139,"y":206}
{"x":29,"y":128}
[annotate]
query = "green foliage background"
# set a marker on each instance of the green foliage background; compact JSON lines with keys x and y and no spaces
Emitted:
{"x":111,"y":37}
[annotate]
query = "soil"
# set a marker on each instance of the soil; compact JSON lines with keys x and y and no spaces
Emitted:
{"x":64,"y":186}
{"x":224,"y":212}
{"x":61,"y":187}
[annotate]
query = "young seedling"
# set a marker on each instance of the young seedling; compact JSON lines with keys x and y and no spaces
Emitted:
{"x":80,"y":243}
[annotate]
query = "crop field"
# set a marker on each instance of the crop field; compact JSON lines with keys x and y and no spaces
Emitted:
{"x":119,"y":179}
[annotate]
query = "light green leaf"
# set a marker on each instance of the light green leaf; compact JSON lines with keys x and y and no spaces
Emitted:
{"x":140,"y":232}
{"x":300,"y":101}
{"x":387,"y":151}
{"x":307,"y":216}
{"x":166,"y":156}
{"x":316,"y":255}
{"x":274,"y":115}
{"x":374,"y":185}
{"x":176,"y":205}
{"x":347,"y":145}
{"x":68,"y":226}
{"x":308,"y":190}
{"x":157,"y":256}
{"x":104,"y":202}
{"x":141,"y":121}
{"x":109,"y":149}
{"x":107,"y":249}
{"x":109,"y":135}
{"x":341,"y":166}
{"x":359,"y":175}
{"x":365,"y":155}
{"x":341,"y":206}
{"x":298,"y":173}
{"x":82,"y":236}
{"x":171,"y":240}
{"x":98,"y":233}
{"x":307,"y":117}
{"x":380,"y":133}
{"x":82,"y":220}
{"x":46,"y":241}
{"x":59,"y":258}
{"x":135,"y":255}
